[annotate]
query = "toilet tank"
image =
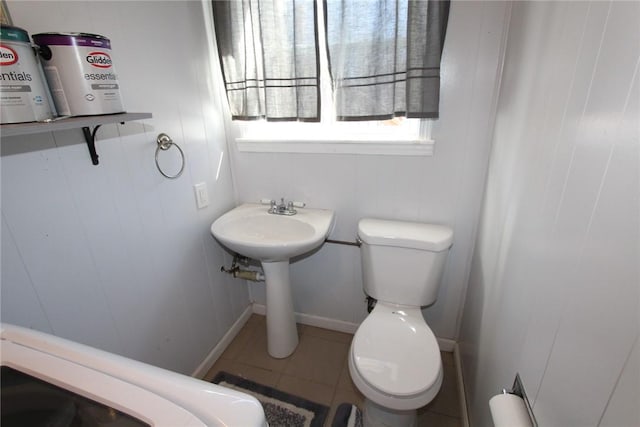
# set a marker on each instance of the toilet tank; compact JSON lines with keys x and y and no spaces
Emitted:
{"x":402,"y":262}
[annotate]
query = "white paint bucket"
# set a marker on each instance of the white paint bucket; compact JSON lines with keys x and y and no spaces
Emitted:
{"x":23,"y":94}
{"x":80,"y":73}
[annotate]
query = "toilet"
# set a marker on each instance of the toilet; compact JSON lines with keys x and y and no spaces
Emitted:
{"x":394,"y":358}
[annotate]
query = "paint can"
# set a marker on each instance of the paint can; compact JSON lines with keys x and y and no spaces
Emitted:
{"x":80,"y":73}
{"x":23,"y":95}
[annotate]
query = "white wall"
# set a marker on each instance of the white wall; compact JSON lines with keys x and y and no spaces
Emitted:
{"x":115,"y":255}
{"x":445,"y":188}
{"x":554,"y":288}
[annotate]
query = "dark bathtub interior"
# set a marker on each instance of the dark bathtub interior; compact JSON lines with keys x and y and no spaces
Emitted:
{"x":29,"y":401}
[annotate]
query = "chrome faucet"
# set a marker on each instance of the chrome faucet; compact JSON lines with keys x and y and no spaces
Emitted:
{"x":283,"y":208}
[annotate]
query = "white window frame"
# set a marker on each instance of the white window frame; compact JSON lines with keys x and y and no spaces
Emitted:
{"x":317,"y":143}
{"x":321,"y":138}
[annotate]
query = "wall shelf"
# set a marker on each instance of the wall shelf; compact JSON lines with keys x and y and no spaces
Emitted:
{"x":66,"y":123}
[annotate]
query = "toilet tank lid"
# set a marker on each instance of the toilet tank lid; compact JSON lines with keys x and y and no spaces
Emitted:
{"x":405,"y":234}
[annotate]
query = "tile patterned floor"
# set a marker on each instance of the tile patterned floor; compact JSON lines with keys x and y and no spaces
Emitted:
{"x":318,"y":371}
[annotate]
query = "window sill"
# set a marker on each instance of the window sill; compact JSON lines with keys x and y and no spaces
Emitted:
{"x":331,"y":146}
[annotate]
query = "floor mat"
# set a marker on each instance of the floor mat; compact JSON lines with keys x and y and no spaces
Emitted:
{"x":281,"y":409}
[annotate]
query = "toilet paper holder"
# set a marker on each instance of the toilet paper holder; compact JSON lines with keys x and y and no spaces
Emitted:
{"x":518,"y":390}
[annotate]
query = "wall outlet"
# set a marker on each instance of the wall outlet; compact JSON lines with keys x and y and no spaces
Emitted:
{"x":202,"y":195}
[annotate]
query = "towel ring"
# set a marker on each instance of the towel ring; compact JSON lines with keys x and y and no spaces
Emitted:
{"x":164,"y":143}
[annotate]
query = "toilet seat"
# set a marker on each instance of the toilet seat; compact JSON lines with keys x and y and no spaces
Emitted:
{"x":395,"y":357}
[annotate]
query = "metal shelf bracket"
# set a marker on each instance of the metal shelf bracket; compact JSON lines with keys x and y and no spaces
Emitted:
{"x":90,"y":137}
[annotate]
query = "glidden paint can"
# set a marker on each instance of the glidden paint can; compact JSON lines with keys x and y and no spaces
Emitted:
{"x":80,"y":73}
{"x":23,"y":95}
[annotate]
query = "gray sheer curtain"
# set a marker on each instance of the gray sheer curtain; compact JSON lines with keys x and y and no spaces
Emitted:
{"x":384,"y":57}
{"x":269,"y":55}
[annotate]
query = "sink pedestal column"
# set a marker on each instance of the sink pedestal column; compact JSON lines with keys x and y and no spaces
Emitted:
{"x":282,"y":333}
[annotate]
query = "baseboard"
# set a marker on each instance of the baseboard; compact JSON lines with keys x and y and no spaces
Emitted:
{"x":464,"y":413}
{"x":446,"y":344}
{"x":311,"y":320}
{"x":260,"y":309}
{"x":341,"y":326}
{"x":222,"y":345}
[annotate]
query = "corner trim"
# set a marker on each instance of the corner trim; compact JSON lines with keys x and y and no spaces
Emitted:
{"x":222,"y":345}
{"x":462,"y":396}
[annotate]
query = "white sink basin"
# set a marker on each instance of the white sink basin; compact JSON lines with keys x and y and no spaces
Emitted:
{"x":253,"y":232}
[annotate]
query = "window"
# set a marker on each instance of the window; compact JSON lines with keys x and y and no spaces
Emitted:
{"x":398,"y":135}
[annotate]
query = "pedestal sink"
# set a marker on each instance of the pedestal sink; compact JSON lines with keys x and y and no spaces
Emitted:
{"x":274,"y":239}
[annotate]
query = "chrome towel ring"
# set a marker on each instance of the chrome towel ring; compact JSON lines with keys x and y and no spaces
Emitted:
{"x":164,"y":143}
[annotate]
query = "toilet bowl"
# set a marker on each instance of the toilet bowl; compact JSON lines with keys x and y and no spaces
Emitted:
{"x":395,"y":362}
{"x":394,"y":359}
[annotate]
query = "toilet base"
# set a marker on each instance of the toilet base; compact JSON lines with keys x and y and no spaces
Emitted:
{"x":374,"y":415}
